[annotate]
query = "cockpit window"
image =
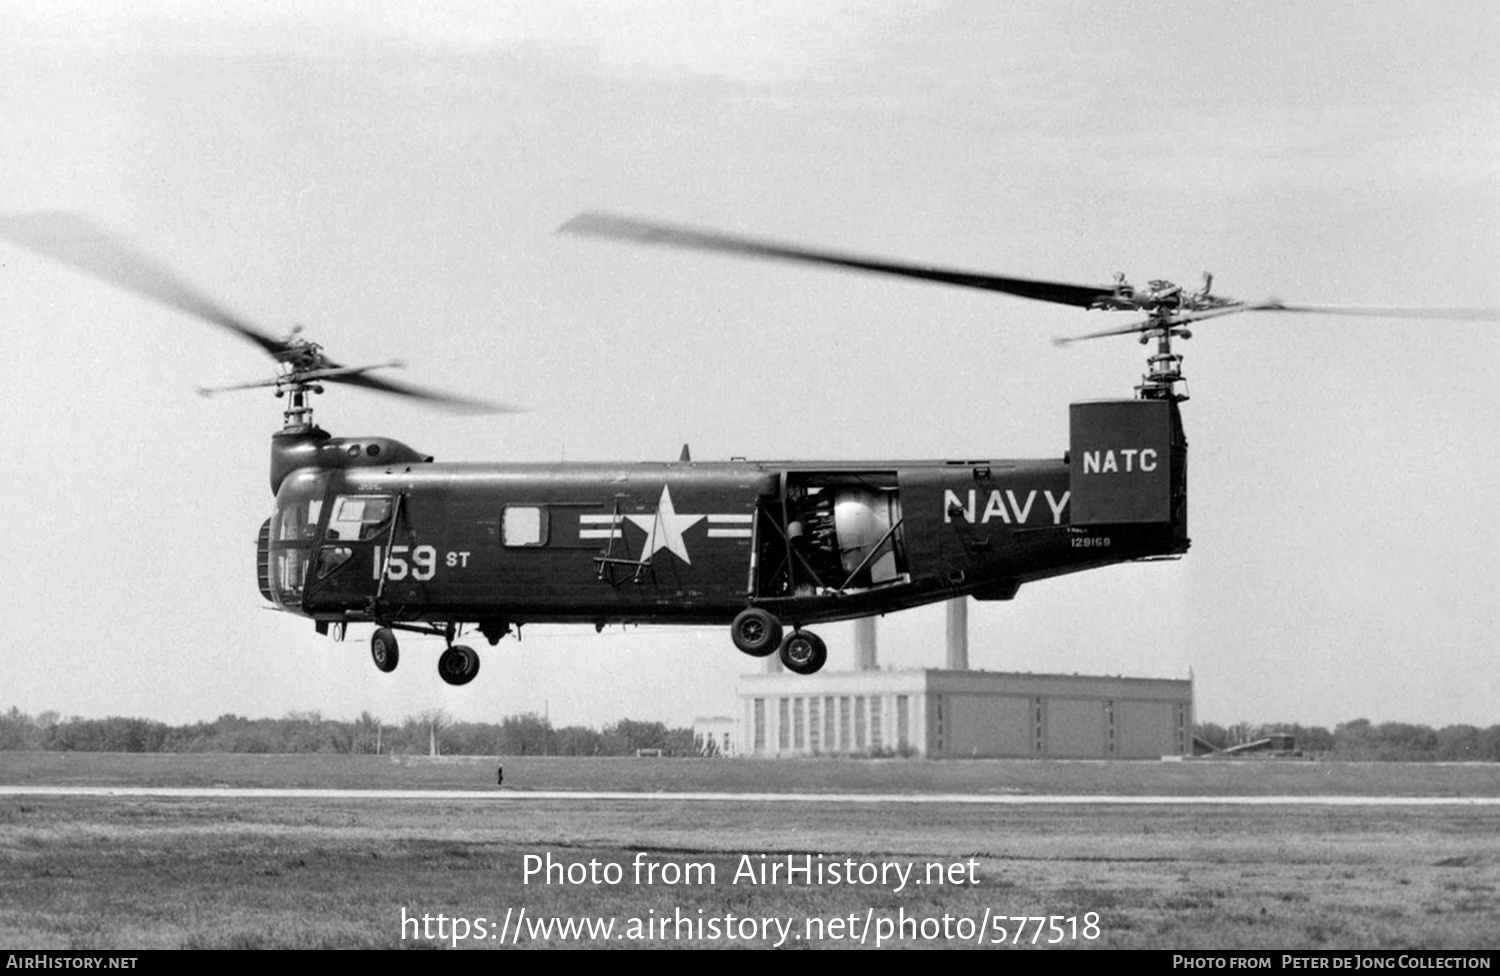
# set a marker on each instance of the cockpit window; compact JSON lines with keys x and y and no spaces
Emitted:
{"x":358,"y":518}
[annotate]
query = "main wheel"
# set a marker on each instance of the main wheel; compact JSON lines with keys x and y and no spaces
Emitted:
{"x":458,"y":664}
{"x":385,"y":649}
{"x":756,"y":632}
{"x":804,"y":652}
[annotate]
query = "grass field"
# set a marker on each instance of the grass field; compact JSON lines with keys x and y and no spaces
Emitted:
{"x":1192,"y":778}
{"x":156,"y":873}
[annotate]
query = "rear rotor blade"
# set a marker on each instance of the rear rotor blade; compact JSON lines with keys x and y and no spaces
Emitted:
{"x":1383,"y":311}
{"x":597,"y":224}
{"x":1273,"y":305}
{"x":1151,"y":325}
{"x":72,"y":240}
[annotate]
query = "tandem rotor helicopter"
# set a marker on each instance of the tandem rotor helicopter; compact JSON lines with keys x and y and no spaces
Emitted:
{"x":369,"y":530}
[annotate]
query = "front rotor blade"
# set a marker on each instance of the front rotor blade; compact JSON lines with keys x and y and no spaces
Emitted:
{"x":448,"y":401}
{"x":208,"y":391}
{"x":339,"y":373}
{"x":75,"y":242}
{"x":650,"y":232}
{"x":1134,"y":327}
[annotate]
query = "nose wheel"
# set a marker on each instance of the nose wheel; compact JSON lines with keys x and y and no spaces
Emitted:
{"x":803,"y":652}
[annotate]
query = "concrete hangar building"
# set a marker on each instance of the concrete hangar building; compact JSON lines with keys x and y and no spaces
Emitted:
{"x":956,"y":712}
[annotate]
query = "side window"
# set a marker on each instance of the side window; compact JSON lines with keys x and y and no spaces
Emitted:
{"x":523,"y":525}
{"x":358,"y":518}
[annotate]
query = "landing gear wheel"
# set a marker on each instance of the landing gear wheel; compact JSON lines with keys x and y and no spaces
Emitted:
{"x":385,"y":649}
{"x":756,"y":632}
{"x":804,"y":652}
{"x":458,"y":665}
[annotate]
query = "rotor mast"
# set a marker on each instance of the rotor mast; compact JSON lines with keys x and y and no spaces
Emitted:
{"x":1163,"y":378}
{"x":298,"y":413}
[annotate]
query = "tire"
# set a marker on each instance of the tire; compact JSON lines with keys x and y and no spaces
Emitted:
{"x":458,"y":664}
{"x":756,"y":632}
{"x":804,"y":652}
{"x":385,"y":649}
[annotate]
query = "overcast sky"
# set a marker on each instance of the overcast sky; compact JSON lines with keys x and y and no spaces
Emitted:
{"x":391,"y":175}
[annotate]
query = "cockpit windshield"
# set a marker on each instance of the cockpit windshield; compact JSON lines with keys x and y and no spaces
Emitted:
{"x":299,"y":506}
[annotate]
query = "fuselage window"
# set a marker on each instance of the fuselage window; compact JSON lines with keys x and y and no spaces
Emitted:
{"x":524,"y":525}
{"x":358,"y":518}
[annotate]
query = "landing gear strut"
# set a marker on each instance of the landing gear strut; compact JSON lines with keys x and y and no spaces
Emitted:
{"x":803,"y":652}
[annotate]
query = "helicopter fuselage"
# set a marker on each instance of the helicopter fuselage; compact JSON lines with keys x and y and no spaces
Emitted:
{"x":368,"y":530}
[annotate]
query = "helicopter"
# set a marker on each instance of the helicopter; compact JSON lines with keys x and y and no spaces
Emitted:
{"x":368,"y":530}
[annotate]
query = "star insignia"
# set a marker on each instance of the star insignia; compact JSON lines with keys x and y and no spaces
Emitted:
{"x":664,"y":529}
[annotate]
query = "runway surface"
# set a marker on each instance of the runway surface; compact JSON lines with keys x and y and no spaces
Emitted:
{"x":982,"y":799}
